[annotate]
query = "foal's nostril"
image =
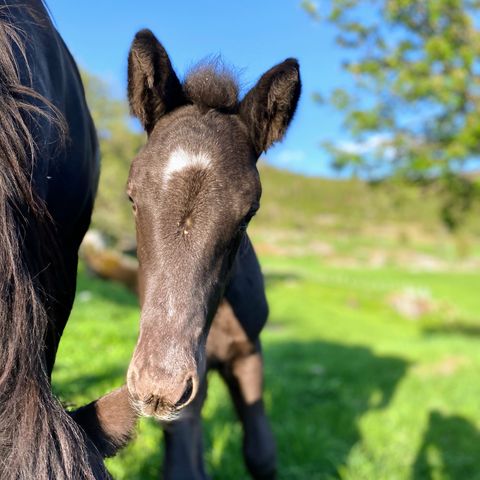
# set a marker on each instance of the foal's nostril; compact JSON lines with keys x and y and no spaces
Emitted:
{"x":187,"y":394}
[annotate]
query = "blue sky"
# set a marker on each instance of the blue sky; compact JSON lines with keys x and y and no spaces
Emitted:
{"x":251,"y":35}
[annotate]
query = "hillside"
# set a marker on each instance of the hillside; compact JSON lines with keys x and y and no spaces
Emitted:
{"x":347,"y":220}
{"x":344,"y":221}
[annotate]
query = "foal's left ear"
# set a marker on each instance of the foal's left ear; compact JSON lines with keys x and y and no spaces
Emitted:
{"x":269,"y":106}
{"x":153,"y":85}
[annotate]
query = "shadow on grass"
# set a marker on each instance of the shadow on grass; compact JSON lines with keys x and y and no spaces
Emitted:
{"x":450,"y":449}
{"x":317,"y":393}
{"x":465,"y":329}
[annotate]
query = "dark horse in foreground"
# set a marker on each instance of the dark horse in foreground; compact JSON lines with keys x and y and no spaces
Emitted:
{"x":194,"y":188}
{"x":48,"y":179}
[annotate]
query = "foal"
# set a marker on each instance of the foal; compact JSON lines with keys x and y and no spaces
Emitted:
{"x":194,"y":188}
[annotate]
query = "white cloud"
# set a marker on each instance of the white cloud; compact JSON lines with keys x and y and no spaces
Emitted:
{"x":372,"y":144}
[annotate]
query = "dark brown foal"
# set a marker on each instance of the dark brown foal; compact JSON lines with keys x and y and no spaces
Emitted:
{"x":194,"y":189}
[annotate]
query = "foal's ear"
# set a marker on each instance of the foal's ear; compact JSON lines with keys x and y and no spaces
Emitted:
{"x":269,"y":106}
{"x":153,"y":86}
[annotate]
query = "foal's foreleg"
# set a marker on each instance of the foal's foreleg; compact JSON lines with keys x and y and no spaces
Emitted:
{"x":239,"y":361}
{"x":244,"y":377}
{"x":184,"y":444}
{"x":108,"y":422}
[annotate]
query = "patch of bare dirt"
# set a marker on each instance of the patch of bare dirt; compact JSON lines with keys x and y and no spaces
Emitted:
{"x":412,"y":303}
{"x":420,"y":261}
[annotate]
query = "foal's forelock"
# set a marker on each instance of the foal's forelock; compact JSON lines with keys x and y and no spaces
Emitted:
{"x":211,"y":85}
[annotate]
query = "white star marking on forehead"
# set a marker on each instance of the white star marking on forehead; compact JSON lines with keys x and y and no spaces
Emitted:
{"x":180,"y":159}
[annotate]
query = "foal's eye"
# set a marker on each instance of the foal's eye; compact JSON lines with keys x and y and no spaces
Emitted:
{"x":134,"y":207}
{"x":246,"y":219}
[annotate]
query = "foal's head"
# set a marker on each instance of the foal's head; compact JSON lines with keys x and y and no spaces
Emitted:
{"x":194,"y":188}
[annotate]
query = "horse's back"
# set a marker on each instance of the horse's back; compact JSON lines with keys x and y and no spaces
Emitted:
{"x":65,"y":165}
{"x":67,"y":162}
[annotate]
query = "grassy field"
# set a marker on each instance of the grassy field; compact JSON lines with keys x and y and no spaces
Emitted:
{"x":355,"y":390}
{"x":356,"y":387}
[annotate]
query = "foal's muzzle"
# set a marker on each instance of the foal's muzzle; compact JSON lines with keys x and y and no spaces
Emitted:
{"x":162,"y":405}
{"x":161,"y":386}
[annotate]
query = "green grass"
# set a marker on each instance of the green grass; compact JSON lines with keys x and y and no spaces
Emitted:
{"x":354,"y":391}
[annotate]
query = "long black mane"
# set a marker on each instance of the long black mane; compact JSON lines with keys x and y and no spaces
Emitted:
{"x":38,"y":439}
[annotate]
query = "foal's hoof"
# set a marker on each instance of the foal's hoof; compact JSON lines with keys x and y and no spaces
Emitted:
{"x":260,"y":454}
{"x":182,"y":474}
{"x":262,"y":472}
{"x":185,"y":471}
{"x":264,"y":476}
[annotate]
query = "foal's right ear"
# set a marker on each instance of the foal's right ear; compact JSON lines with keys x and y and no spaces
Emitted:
{"x":153,"y":86}
{"x":268,"y":108}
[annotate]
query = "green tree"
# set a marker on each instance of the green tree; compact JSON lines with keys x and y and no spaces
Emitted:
{"x":119,"y":143}
{"x":412,"y":104}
